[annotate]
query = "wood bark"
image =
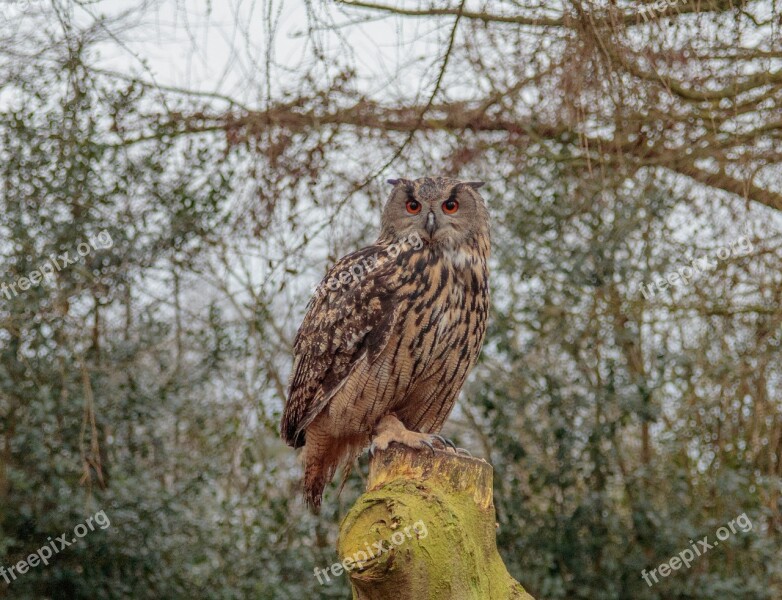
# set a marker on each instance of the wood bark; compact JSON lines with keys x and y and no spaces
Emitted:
{"x":425,"y":529}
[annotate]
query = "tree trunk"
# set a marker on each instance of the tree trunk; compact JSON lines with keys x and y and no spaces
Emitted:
{"x":425,"y":530}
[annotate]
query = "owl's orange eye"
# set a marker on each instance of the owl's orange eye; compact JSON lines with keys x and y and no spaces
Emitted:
{"x":413,"y":207}
{"x":450,"y":207}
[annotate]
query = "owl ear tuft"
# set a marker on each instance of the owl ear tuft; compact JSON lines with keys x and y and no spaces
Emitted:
{"x":475,"y":184}
{"x":393,"y":181}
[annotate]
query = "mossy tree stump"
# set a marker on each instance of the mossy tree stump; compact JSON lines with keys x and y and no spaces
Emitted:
{"x":425,"y":530}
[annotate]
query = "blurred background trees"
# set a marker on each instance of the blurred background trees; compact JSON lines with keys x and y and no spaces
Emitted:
{"x":147,"y":379}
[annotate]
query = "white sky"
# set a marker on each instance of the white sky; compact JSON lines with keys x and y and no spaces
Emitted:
{"x":202,"y":45}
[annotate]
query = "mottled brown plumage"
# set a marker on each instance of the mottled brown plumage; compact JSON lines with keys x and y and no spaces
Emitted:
{"x":392,"y":331}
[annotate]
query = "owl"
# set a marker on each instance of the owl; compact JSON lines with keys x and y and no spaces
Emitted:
{"x":392,"y":331}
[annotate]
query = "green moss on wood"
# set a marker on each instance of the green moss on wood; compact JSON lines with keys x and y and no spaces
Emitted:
{"x":435,"y":519}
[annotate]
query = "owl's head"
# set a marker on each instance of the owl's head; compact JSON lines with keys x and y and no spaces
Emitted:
{"x":440,"y":210}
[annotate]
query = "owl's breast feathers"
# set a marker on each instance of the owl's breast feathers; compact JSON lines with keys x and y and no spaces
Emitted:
{"x":442,"y":331}
{"x":429,"y":301}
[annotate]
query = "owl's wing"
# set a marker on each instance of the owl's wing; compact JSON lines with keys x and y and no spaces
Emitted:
{"x":342,"y":326}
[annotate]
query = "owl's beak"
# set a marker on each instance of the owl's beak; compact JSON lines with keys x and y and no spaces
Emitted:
{"x":431,"y":224}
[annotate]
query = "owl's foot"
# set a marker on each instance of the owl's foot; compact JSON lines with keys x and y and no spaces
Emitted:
{"x":390,"y":429}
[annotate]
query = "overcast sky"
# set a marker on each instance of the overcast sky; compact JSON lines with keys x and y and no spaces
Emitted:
{"x":223,"y":46}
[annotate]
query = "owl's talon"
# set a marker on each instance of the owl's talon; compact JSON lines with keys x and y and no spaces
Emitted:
{"x":445,"y":441}
{"x":429,"y":444}
{"x":463,"y":451}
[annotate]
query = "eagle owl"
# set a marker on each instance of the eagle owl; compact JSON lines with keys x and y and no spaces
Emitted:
{"x":392,"y":331}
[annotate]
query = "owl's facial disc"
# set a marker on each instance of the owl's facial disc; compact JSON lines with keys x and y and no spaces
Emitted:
{"x":441,"y":211}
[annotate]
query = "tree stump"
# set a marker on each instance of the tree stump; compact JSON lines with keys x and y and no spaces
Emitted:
{"x":425,"y":530}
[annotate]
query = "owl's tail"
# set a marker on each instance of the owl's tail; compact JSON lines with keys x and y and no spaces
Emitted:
{"x":323,"y":454}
